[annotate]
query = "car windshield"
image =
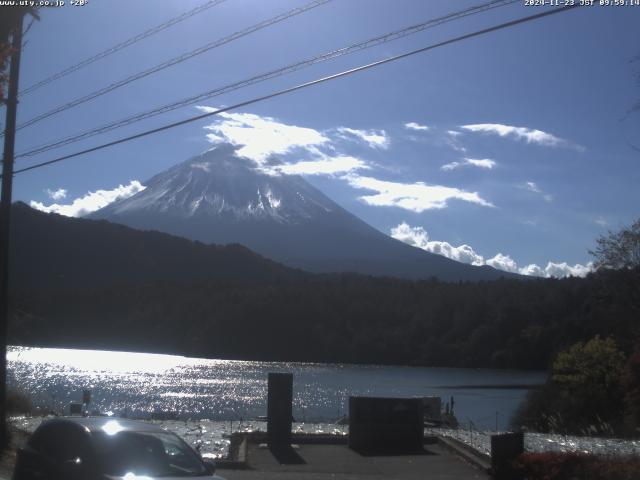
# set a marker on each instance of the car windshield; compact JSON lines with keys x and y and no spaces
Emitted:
{"x":156,"y":454}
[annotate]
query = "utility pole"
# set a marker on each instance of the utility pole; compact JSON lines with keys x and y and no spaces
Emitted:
{"x":5,"y":216}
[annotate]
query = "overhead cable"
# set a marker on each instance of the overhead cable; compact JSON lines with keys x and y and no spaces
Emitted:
{"x":279,"y":93}
{"x":173,"y":61}
{"x":388,"y":37}
{"x":120,"y":46}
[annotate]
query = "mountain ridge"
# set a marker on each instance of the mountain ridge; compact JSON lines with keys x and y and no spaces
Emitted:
{"x":219,"y":197}
{"x":49,"y":250}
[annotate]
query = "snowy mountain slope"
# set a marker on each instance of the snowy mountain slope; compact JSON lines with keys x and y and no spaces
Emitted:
{"x":216,"y":183}
{"x":218,"y":197}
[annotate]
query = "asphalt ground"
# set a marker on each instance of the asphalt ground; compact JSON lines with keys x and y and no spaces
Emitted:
{"x":338,"y":462}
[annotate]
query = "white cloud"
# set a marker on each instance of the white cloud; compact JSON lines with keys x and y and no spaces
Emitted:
{"x":259,"y":137}
{"x":565,"y":270}
{"x":59,"y":194}
{"x":557,"y":270}
{"x":92,"y":201}
{"x":323,"y":166}
{"x":533,"y":270}
{"x":503,"y":262}
{"x":481,"y":162}
{"x":416,"y":197}
{"x":418,"y":237}
{"x":533,"y":187}
{"x":373,"y":138}
{"x":451,"y":139}
{"x":451,"y":166}
{"x":530,"y":135}
{"x":416,"y":126}
{"x":486,"y":163}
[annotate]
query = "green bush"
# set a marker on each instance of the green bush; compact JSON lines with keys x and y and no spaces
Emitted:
{"x":584,"y":394}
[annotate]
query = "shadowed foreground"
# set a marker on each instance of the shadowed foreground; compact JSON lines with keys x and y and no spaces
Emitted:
{"x":316,"y":461}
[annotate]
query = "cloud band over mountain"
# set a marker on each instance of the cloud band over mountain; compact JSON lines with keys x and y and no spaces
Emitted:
{"x":418,"y":237}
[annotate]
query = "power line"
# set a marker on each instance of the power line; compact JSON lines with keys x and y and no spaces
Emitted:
{"x":304,"y":85}
{"x":269,"y":75}
{"x":26,"y":31}
{"x":395,"y":35}
{"x":120,"y":46}
{"x":174,"y":61}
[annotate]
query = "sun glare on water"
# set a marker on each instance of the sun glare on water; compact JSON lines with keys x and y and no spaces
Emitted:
{"x":102,"y":361}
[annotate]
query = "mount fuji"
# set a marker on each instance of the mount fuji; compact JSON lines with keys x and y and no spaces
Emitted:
{"x":220,"y":197}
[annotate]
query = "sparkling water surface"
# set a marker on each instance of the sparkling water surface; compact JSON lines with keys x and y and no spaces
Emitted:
{"x":139,"y":384}
{"x":213,"y":398}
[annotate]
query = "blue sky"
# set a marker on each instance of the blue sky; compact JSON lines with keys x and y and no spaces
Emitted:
{"x":513,"y":149}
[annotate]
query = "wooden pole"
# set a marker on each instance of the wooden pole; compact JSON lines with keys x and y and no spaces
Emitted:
{"x":5,"y":216}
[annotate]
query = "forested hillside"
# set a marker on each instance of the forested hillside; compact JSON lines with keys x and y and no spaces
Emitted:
{"x":341,"y":318}
{"x":52,"y":251}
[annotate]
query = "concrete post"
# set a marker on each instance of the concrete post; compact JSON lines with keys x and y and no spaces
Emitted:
{"x":279,"y":409}
{"x":385,"y":425}
{"x":505,"y":448}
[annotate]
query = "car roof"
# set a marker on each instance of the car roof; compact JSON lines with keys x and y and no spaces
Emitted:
{"x":95,"y":424}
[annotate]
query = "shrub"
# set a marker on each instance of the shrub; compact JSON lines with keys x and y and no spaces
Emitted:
{"x":631,"y":384}
{"x":584,"y":394}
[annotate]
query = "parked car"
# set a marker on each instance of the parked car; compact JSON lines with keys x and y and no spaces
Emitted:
{"x":103,"y":448}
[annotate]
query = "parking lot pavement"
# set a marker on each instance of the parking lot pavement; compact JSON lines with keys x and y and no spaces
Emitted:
{"x":338,"y":462}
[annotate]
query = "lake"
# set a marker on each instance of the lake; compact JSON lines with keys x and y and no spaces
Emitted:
{"x":138,"y":384}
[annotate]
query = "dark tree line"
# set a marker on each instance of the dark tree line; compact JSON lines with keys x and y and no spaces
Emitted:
{"x":97,"y":284}
{"x":342,"y":318}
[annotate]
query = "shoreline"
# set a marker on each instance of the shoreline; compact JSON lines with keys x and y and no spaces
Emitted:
{"x":231,"y":358}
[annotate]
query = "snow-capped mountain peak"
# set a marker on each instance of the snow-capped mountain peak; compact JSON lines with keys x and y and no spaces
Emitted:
{"x":221,"y":197}
{"x":220,"y":183}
